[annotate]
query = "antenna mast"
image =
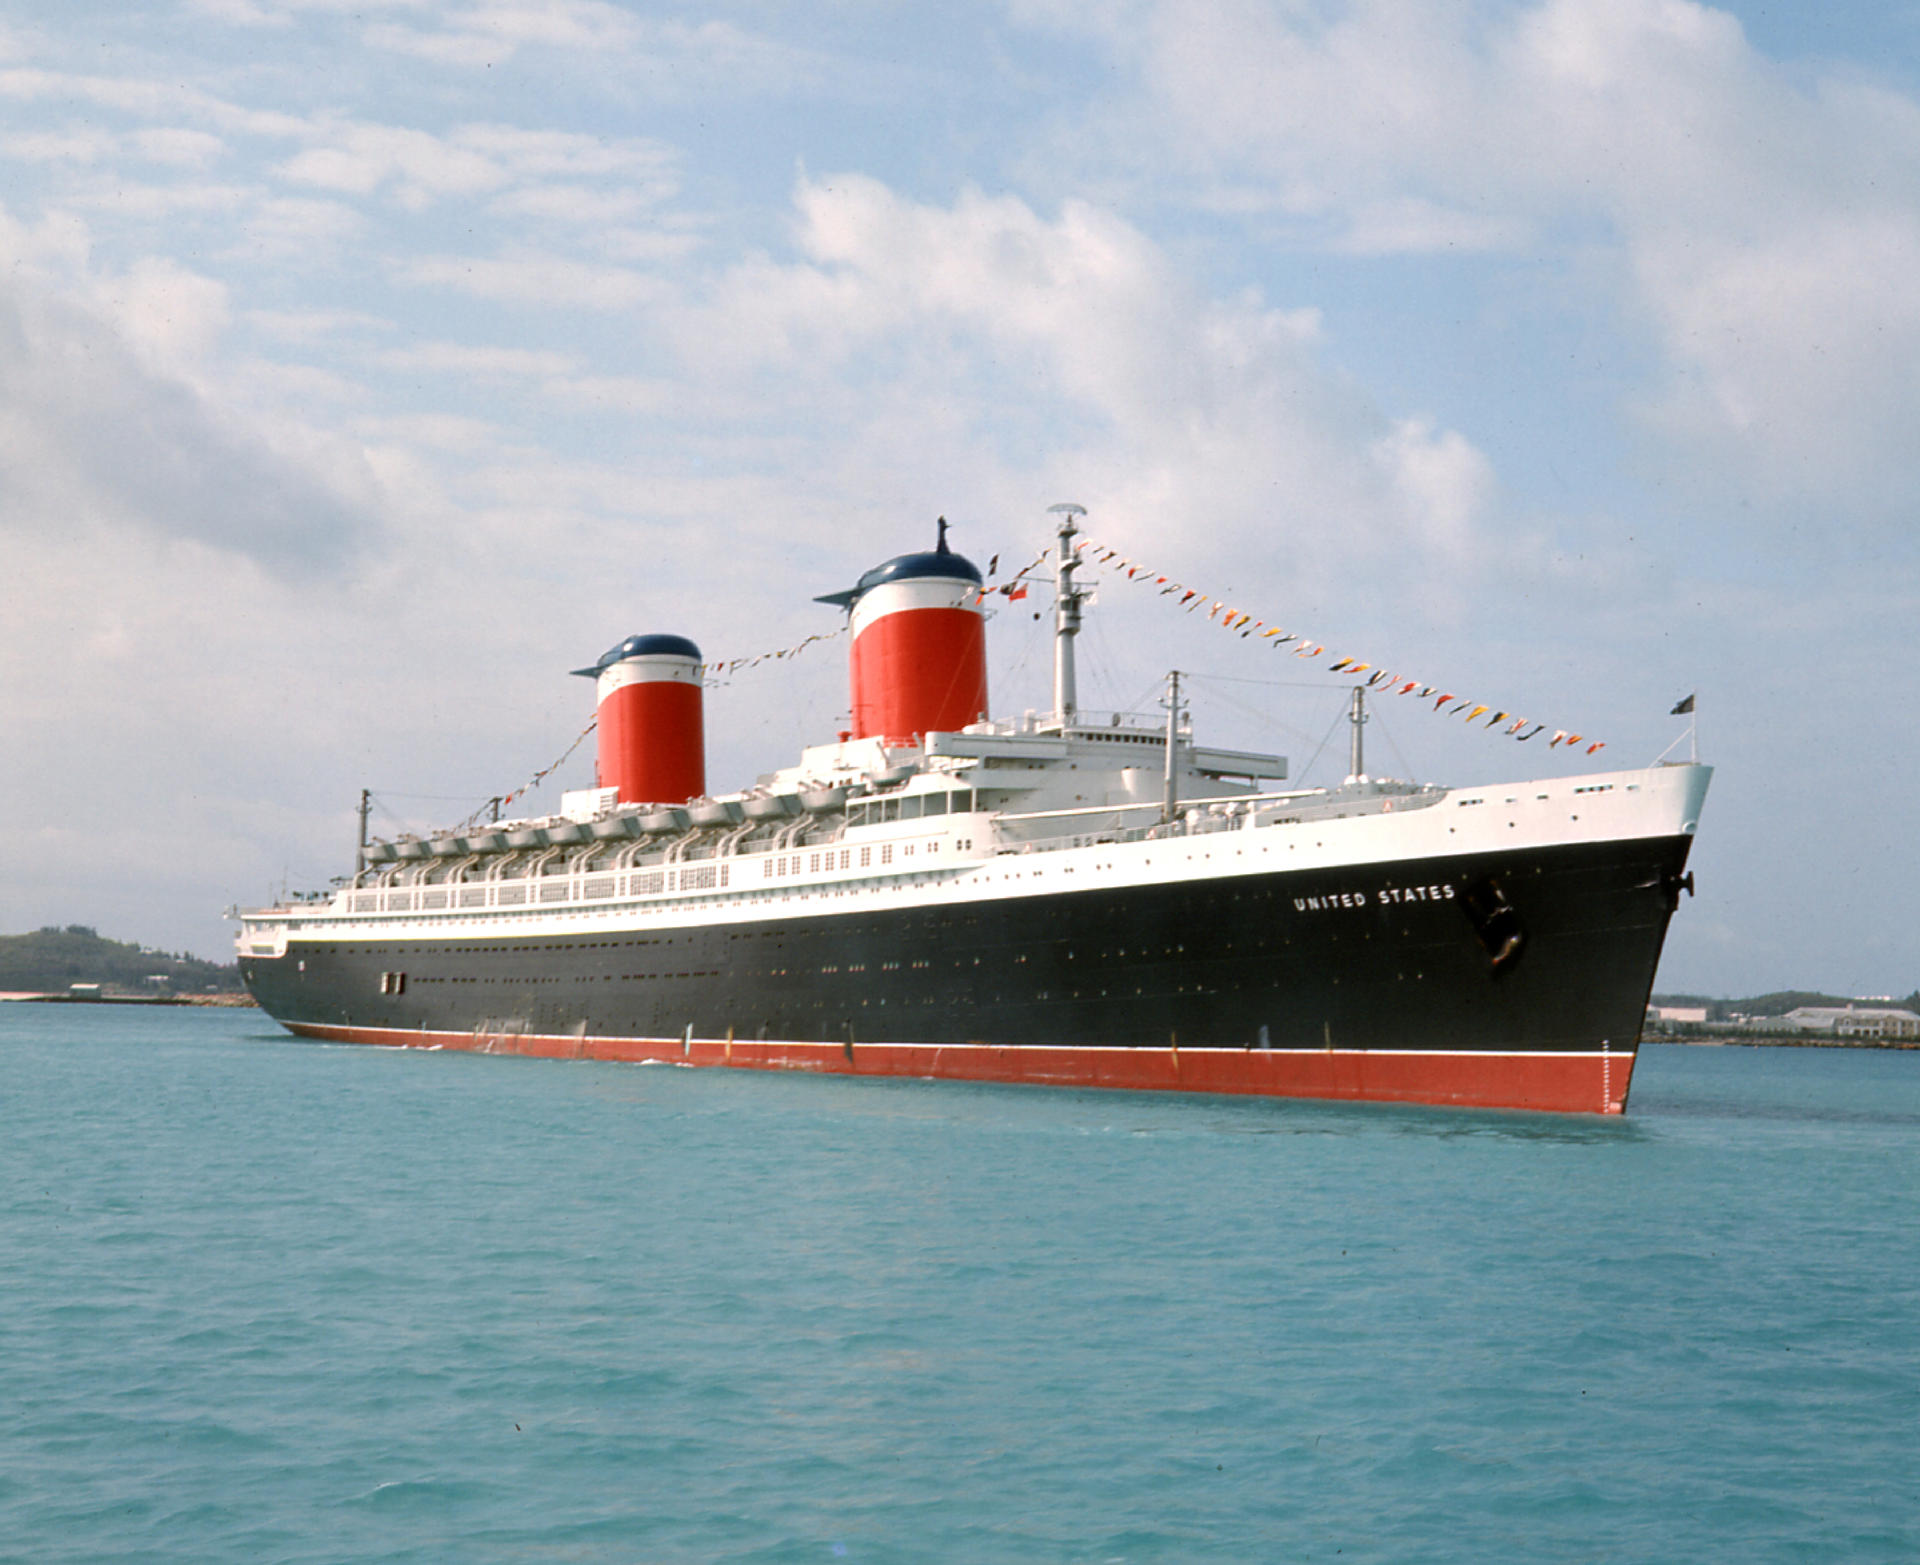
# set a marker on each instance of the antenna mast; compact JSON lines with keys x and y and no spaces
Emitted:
{"x":1357,"y":717}
{"x":1067,"y":599}
{"x":1170,"y":797}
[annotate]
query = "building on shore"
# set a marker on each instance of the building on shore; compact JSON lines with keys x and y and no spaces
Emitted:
{"x":1662,"y":1017}
{"x":1856,"y":1023}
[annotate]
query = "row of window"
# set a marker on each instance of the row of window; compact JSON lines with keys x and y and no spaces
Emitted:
{"x":774,"y":866}
{"x":778,"y":866}
{"x":910,"y":807}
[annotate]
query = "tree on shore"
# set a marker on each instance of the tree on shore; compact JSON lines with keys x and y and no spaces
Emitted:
{"x":55,"y":958}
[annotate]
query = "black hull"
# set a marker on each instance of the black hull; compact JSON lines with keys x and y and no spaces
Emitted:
{"x":1544,"y":950}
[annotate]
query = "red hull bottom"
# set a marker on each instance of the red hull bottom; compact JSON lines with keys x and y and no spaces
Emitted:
{"x":1559,"y":1083}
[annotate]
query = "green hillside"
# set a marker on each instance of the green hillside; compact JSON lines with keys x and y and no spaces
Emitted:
{"x":51,"y":960}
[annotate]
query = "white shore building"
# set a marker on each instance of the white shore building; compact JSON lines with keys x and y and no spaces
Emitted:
{"x":1854,"y":1021}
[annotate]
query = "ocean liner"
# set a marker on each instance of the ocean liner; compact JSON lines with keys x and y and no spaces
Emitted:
{"x":1072,"y":898}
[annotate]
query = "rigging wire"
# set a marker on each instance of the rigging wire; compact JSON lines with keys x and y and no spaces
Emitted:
{"x":1030,"y":640}
{"x":1376,"y":715}
{"x":1096,"y":667}
{"x":1307,"y":770}
{"x":1278,"y":684}
{"x":1265,"y":717}
{"x":1143,"y":704}
{"x":392,"y":814}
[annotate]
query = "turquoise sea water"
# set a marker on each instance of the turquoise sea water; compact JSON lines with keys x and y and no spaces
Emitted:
{"x":263,"y":1300}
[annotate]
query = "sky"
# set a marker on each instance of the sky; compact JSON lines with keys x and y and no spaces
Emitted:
{"x":365,"y":367}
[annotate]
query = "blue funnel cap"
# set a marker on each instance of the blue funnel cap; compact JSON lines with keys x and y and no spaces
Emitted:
{"x":639,"y":647}
{"x":940,"y":564}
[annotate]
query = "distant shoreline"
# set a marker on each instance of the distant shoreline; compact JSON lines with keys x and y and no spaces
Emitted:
{"x":1778,"y":1041}
{"x":218,"y":1001}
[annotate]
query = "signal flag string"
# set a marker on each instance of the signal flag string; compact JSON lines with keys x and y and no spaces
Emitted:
{"x":1014,"y":588}
{"x":717,"y":671}
{"x":712,"y":672}
{"x":1378,"y":678}
{"x":540,"y":776}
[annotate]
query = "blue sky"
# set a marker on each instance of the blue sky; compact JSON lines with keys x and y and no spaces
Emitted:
{"x":364,"y":367}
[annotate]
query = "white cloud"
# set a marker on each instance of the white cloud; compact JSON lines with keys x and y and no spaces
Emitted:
{"x":294,"y":228}
{"x":1074,"y":349}
{"x":457,"y":358}
{"x":113,"y":423}
{"x":306,"y":326}
{"x":154,"y":99}
{"x":676,"y":58}
{"x":1768,"y":229}
{"x":444,"y":48}
{"x":538,"y":172}
{"x":58,"y":147}
{"x":572,"y":204}
{"x":1442,"y":481}
{"x":648,"y":165}
{"x":280,"y":13}
{"x":493,"y":30}
{"x":169,"y":315}
{"x":550,"y":281}
{"x":239,"y":13}
{"x":617,"y":393}
{"x":59,"y":244}
{"x":1411,"y":225}
{"x":132,"y":199}
{"x":1797,"y":359}
{"x":268,"y":383}
{"x":177,"y":146}
{"x":656,"y":245}
{"x":359,"y":158}
{"x":445,"y":432}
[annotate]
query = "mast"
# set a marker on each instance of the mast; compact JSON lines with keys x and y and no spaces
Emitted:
{"x":1357,"y":717}
{"x":1170,"y":797}
{"x":1067,"y":599}
{"x":360,"y":858}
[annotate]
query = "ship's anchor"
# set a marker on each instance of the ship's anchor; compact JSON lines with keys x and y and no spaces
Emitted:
{"x":1672,"y":886}
{"x":1497,"y":922}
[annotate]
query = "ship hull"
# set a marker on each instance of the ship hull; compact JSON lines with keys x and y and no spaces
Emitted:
{"x":1497,"y":980}
{"x":1563,"y":1082}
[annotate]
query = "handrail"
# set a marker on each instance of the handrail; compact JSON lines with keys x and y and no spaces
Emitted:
{"x":1154,"y":804}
